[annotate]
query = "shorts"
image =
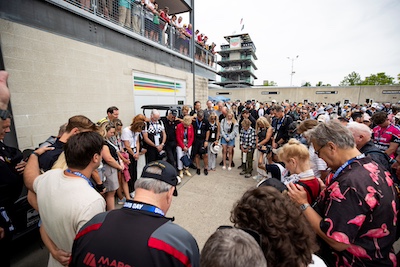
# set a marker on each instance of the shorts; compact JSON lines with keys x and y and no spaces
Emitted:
{"x":230,"y":143}
{"x":198,"y":149}
{"x":111,"y":175}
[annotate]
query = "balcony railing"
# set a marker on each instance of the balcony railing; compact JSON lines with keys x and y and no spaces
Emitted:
{"x":133,"y":16}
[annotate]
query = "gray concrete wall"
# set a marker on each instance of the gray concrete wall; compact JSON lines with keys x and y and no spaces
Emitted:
{"x":356,"y":94}
{"x":53,"y":78}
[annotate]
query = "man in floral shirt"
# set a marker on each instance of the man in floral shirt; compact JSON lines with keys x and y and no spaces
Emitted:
{"x":356,"y":215}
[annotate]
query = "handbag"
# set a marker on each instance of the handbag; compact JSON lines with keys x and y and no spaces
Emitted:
{"x":186,"y":160}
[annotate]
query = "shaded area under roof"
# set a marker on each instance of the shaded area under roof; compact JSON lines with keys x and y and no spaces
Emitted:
{"x":176,"y":6}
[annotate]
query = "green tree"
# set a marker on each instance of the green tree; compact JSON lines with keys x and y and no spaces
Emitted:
{"x":398,"y":78}
{"x":319,"y":83}
{"x":306,"y":84}
{"x":351,"y":79}
{"x":270,"y":83}
{"x":378,"y":79}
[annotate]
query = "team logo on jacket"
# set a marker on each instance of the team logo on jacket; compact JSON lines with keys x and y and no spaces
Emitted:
{"x":90,"y":260}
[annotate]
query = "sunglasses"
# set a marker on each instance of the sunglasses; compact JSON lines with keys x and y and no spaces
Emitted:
{"x":251,"y":232}
{"x":5,"y":114}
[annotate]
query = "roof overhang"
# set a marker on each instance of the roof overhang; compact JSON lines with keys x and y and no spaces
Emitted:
{"x":176,"y":6}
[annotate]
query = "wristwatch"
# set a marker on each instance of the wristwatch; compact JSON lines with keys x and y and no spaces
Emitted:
{"x":303,"y":207}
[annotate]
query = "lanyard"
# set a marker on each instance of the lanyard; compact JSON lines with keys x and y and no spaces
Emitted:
{"x":80,"y":175}
{"x":145,"y":207}
{"x":213,"y":126}
{"x":278,"y":126}
{"x":199,"y":124}
{"x":347,"y":163}
{"x":154,"y":126}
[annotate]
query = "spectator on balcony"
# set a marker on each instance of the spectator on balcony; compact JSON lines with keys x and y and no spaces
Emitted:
{"x":85,"y":4}
{"x":186,"y":41}
{"x":124,"y":13}
{"x":211,"y":54}
{"x":178,"y":30}
{"x":137,"y":7}
{"x":205,"y":48}
{"x":149,"y":25}
{"x":171,"y":30}
{"x":157,"y":24}
{"x":164,"y":22}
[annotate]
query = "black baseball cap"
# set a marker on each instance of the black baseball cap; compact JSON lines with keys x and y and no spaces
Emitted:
{"x":168,"y":173}
{"x":174,"y":112}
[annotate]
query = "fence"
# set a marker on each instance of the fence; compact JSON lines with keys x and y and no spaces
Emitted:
{"x":134,"y":16}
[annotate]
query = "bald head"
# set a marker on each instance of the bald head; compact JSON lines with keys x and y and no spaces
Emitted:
{"x":361,"y":133}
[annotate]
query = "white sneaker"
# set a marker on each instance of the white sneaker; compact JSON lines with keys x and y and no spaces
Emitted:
{"x":179,"y":179}
{"x":229,"y":168}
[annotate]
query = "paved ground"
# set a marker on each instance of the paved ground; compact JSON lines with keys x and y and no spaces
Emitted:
{"x":205,"y":202}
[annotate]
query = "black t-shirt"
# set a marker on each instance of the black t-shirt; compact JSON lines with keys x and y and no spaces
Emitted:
{"x":113,"y":151}
{"x":200,"y":129}
{"x":10,"y":180}
{"x":170,"y":129}
{"x":47,"y":159}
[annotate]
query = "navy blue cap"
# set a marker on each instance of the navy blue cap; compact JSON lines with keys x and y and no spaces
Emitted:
{"x":168,"y":173}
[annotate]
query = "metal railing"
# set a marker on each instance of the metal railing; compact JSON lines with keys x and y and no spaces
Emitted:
{"x":133,"y":16}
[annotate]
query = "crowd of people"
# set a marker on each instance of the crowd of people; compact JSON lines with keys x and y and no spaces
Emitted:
{"x":325,"y":196}
{"x":159,"y":26}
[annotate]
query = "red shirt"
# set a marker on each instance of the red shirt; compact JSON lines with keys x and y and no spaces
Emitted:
{"x":180,"y":133}
{"x":314,"y":186}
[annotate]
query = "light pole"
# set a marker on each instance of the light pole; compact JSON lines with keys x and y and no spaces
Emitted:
{"x":293,"y":72}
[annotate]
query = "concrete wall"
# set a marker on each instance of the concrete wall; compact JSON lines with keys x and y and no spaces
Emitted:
{"x":53,"y":78}
{"x":331,"y":94}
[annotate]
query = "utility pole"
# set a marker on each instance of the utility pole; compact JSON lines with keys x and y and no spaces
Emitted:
{"x":292,"y":72}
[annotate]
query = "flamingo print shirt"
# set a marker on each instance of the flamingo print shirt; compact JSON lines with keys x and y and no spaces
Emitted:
{"x":360,"y":208}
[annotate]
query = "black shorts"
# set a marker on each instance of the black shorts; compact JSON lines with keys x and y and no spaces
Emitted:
{"x":198,"y":149}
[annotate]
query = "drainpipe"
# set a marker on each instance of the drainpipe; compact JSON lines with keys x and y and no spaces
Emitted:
{"x":192,"y":44}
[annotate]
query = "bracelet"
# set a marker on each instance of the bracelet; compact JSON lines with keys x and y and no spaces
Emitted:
{"x":36,"y":154}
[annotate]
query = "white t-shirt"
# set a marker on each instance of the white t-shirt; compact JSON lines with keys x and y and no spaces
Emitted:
{"x":128,"y":135}
{"x":65,"y":205}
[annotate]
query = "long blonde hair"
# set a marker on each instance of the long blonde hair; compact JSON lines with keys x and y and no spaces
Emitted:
{"x":233,"y":116}
{"x":262,"y":122}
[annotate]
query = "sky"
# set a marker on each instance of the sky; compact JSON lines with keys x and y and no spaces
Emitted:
{"x":331,"y":37}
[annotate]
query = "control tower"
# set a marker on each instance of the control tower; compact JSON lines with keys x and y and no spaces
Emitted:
{"x":237,"y":61}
